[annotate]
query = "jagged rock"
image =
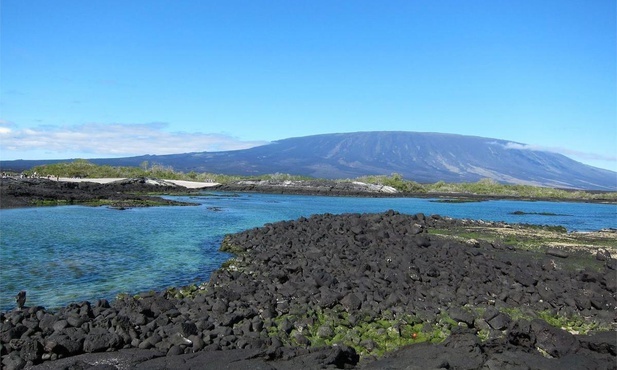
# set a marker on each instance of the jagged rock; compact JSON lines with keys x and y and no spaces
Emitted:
{"x":99,"y":340}
{"x":361,"y":267}
{"x":554,"y":341}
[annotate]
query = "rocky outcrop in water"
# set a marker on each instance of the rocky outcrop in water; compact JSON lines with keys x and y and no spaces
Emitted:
{"x":320,"y":291}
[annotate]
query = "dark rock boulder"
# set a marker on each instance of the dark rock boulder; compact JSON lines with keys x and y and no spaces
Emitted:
{"x":554,"y":341}
{"x":100,"y":340}
{"x":601,"y":342}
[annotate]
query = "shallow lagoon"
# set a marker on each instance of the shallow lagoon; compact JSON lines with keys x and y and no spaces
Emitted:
{"x":74,"y":253}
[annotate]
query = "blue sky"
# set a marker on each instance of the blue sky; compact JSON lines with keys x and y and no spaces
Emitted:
{"x":110,"y":78}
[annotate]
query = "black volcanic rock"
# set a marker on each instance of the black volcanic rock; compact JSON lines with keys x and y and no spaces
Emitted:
{"x":259,"y":311}
{"x":15,"y":193}
{"x":421,"y":157}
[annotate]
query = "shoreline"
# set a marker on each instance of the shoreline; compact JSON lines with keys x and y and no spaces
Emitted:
{"x":295,"y":288}
{"x":119,"y":193}
{"x":334,"y":188}
{"x":124,"y":193}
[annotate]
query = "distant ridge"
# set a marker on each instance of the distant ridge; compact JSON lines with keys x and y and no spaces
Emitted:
{"x":418,"y":156}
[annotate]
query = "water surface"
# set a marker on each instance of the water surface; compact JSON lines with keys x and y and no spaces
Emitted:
{"x":74,"y":253}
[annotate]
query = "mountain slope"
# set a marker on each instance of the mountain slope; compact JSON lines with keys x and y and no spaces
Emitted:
{"x":422,"y":157}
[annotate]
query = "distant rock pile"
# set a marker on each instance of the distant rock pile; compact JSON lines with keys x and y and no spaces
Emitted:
{"x":297,"y":287}
{"x":312,"y":187}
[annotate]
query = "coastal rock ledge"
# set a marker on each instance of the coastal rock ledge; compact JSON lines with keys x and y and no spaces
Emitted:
{"x":311,"y":187}
{"x":368,"y":291}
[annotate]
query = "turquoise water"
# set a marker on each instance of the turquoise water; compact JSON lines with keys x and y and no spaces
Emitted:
{"x":73,"y":253}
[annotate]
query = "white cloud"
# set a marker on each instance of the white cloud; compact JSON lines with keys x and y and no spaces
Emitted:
{"x":114,"y":140}
{"x":512,"y":145}
{"x":564,"y":151}
{"x":5,"y":127}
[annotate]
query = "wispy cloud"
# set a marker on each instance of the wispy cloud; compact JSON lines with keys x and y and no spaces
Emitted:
{"x":5,"y":127}
{"x":564,"y":151}
{"x":114,"y":139}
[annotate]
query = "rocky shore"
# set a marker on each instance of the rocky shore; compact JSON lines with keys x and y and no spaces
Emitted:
{"x":368,"y":291}
{"x":139,"y":192}
{"x":144,"y":192}
{"x":28,"y":192}
{"x":361,"y":189}
{"x":310,"y":187}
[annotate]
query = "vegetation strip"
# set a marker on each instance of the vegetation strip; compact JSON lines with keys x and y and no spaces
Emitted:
{"x":486,"y":188}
